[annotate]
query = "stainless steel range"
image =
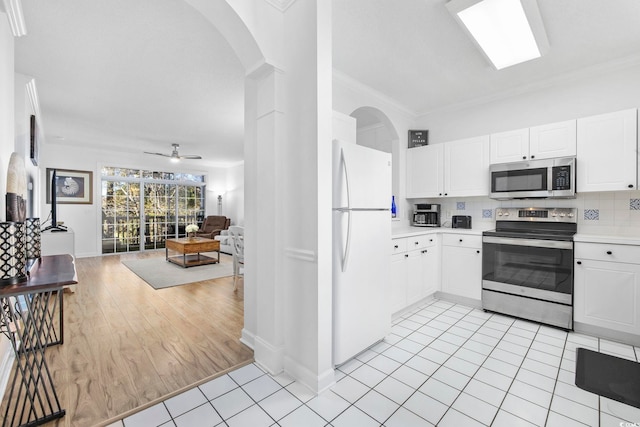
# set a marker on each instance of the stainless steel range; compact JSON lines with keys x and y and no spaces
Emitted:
{"x":527,"y":264}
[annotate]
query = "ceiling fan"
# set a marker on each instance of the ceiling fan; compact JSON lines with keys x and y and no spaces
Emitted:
{"x":174,"y":156}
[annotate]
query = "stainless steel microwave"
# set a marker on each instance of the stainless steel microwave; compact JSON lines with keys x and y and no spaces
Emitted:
{"x":547,"y":178}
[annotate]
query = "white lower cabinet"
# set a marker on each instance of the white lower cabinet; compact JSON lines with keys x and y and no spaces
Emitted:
{"x":462,"y":265}
{"x":607,"y":286}
{"x":415,"y":271}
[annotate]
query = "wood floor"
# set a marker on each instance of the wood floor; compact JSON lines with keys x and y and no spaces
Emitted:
{"x":127,"y":344}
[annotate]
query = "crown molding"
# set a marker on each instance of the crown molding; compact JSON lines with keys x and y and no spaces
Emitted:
{"x":15,"y":16}
{"x":361,"y":87}
{"x":281,"y":5}
{"x":568,"y":77}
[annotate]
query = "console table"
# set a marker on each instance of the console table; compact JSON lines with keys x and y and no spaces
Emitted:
{"x":27,"y":318}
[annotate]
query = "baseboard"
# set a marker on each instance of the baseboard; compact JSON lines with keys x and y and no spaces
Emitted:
{"x":316,"y":383}
{"x":471,"y":302}
{"x":6,"y":365}
{"x":247,"y":338}
{"x":268,"y":356}
{"x":600,"y":332}
{"x":412,"y":307}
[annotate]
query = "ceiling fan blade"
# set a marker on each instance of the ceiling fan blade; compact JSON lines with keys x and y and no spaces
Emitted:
{"x":158,"y":154}
{"x":190,"y":156}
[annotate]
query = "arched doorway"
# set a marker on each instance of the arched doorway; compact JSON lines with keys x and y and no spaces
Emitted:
{"x":375,"y":130}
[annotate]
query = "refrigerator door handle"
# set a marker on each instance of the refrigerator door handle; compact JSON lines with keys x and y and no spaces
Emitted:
{"x":345,"y":257}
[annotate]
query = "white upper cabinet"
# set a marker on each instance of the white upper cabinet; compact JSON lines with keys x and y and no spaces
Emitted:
{"x":607,"y":152}
{"x":424,"y":171}
{"x":466,"y":167}
{"x":457,"y":168}
{"x":553,"y":140}
{"x":511,"y":146}
{"x":539,"y":142}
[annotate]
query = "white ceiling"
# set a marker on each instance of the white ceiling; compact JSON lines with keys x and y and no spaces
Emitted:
{"x":140,"y":75}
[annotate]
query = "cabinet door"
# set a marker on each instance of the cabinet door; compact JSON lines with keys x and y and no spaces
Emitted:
{"x":431,"y":271}
{"x":553,"y":140}
{"x":462,"y":271}
{"x":607,"y":294}
{"x":398,"y":297}
{"x":466,"y":167}
{"x":511,"y":146}
{"x":606,"y":149}
{"x":415,"y":276}
{"x":424,"y":171}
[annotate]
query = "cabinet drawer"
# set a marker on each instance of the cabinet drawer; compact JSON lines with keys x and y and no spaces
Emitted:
{"x":419,"y":242}
{"x":398,"y":245}
{"x":462,"y":240}
{"x":608,"y":252}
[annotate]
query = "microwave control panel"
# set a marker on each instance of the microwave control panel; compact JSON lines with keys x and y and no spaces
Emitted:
{"x":561,"y":177}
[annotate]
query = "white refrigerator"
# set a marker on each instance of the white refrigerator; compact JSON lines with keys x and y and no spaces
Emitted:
{"x":361,"y":248}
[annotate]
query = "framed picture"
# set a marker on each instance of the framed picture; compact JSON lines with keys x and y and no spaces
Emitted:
{"x":71,"y":186}
{"x":418,"y":138}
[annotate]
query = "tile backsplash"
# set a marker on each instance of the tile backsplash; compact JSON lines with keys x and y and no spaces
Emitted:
{"x":603,"y":213}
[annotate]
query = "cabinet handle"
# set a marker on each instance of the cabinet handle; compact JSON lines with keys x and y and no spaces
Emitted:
{"x":533,"y":157}
{"x":609,"y":252}
{"x":477,"y":252}
{"x":395,"y":246}
{"x":439,"y":194}
{"x":416,"y":243}
{"x":431,"y":240}
{"x":579,"y":262}
{"x":424,"y":251}
{"x":460,"y":240}
{"x":406,"y":255}
{"x":524,"y":157}
{"x":630,"y":186}
{"x":446,"y":194}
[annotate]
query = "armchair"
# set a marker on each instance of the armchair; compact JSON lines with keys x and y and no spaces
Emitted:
{"x":212,"y":226}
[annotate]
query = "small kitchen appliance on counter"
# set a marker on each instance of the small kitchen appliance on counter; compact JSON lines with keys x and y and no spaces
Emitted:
{"x":426,"y":215}
{"x":461,"y":221}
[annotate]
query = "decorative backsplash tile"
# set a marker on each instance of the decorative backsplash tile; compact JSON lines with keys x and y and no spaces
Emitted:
{"x":487,"y":213}
{"x":634,"y":204}
{"x":592,"y":214}
{"x":461,"y":206}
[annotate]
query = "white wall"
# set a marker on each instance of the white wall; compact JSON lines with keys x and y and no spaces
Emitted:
{"x":85,"y":219}
{"x":602,"y":92}
{"x":7,"y":146}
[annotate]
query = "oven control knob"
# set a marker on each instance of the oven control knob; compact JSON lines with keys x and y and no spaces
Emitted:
{"x":499,"y":213}
{"x":506,"y":214}
{"x":554,"y":214}
{"x":570,"y":215}
{"x":561,"y":215}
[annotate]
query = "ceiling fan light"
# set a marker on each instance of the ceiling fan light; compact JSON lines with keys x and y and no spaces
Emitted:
{"x":174,"y":159}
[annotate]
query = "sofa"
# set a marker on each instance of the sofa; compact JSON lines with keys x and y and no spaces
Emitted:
{"x":213,"y":225}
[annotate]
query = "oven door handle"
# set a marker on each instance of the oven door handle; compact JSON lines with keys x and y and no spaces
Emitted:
{"x":554,"y":244}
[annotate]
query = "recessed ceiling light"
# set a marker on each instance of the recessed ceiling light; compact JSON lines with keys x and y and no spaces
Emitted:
{"x":508,"y":32}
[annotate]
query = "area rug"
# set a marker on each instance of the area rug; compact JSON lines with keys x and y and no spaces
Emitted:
{"x":608,"y":376}
{"x":160,"y":274}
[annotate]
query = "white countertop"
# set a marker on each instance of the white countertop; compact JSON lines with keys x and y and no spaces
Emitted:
{"x":612,"y":239}
{"x":417,"y":231}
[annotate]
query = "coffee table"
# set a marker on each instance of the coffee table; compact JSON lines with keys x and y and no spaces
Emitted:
{"x":190,"y":250}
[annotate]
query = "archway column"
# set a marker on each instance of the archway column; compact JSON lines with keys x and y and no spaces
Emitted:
{"x":264,"y":219}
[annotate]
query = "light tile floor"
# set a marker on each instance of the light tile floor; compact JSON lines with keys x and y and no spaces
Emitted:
{"x":443,"y":364}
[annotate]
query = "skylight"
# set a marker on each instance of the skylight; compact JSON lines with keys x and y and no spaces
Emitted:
{"x":503,"y":29}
